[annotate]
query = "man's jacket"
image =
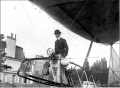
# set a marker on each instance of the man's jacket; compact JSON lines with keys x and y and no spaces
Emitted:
{"x":61,"y":47}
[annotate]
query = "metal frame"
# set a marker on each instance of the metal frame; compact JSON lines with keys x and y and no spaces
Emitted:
{"x":36,"y":79}
{"x":48,"y":82}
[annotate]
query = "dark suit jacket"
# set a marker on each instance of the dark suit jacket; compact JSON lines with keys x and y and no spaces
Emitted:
{"x":61,"y":47}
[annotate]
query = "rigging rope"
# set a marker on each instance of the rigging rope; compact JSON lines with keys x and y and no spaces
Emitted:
{"x":76,"y":18}
{"x":32,"y":24}
{"x":78,"y":14}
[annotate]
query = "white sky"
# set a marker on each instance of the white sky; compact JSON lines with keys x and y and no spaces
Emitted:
{"x":35,"y":33}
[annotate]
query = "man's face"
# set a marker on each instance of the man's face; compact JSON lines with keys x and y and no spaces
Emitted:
{"x":57,"y":35}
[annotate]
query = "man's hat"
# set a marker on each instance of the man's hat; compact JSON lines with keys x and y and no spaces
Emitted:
{"x":57,"y":32}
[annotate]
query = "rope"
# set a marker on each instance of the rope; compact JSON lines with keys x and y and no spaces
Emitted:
{"x":78,"y":14}
{"x":32,"y":24}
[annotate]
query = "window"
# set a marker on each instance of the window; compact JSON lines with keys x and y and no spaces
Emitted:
{"x":5,"y":78}
{"x":13,"y":79}
{"x":20,"y":80}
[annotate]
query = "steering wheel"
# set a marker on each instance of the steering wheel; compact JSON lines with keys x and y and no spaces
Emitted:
{"x":50,"y":51}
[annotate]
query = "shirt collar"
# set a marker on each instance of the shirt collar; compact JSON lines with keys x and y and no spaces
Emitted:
{"x":58,"y":38}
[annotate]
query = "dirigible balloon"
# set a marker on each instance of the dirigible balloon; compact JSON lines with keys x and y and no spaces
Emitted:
{"x":96,"y":20}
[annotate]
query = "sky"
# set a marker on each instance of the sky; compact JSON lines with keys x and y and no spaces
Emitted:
{"x":34,"y":30}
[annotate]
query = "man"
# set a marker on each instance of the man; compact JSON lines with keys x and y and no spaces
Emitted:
{"x":61,"y":46}
{"x":61,"y":51}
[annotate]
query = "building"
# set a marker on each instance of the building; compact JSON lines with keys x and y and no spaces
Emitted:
{"x":13,"y":58}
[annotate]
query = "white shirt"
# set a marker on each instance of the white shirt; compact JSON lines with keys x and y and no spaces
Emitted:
{"x":58,"y":38}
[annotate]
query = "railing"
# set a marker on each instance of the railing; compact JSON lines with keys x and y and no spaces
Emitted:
{"x":25,"y":72}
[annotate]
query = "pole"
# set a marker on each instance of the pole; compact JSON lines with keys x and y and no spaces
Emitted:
{"x":88,"y":54}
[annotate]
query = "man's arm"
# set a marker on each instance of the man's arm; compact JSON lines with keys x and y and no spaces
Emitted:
{"x":66,"y":47}
{"x":55,"y":47}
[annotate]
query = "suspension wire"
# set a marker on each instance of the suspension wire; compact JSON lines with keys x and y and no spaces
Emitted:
{"x":84,"y":72}
{"x":75,"y":19}
{"x":32,"y":24}
{"x":111,"y":67}
{"x":78,"y":77}
{"x":116,"y":55}
{"x":115,"y":52}
{"x":67,"y":30}
{"x":78,"y":14}
{"x":20,"y":28}
{"x":71,"y":77}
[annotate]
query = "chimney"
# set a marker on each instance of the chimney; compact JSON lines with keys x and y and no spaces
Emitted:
{"x":15,"y":36}
{"x":11,"y":35}
{"x":11,"y":45}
